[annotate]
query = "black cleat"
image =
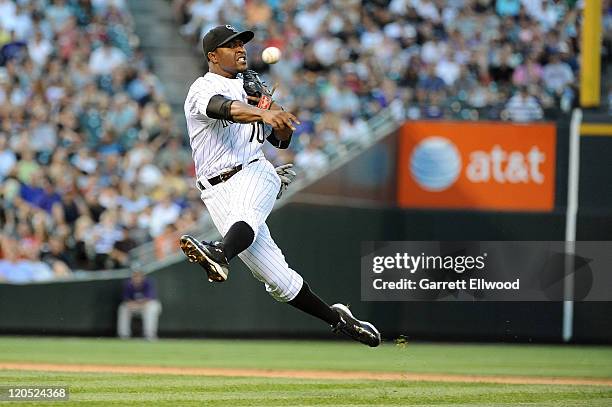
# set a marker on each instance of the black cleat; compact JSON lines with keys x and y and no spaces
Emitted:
{"x":361,"y":331}
{"x":210,"y":256}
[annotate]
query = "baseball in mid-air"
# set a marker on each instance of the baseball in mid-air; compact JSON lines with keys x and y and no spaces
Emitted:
{"x":271,"y":55}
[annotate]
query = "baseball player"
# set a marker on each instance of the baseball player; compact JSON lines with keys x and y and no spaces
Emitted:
{"x":229,"y":116}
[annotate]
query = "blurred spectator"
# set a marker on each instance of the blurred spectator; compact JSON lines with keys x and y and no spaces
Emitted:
{"x":508,"y":7}
{"x":173,"y":153}
{"x":258,"y":13}
{"x":19,"y":270}
{"x":430,"y":81}
{"x":528,"y":73}
{"x":7,"y":158}
{"x":131,"y":200}
{"x":447,"y":68}
{"x":27,"y":167}
{"x":311,"y":159}
{"x":81,"y":244}
{"x":523,"y":107}
{"x":139,"y":299}
{"x":310,"y":19}
{"x":149,"y":173}
{"x":13,"y":49}
{"x":106,"y":59}
{"x":557,"y":75}
{"x":104,"y":236}
{"x":57,"y":257}
{"x":354,"y":129}
{"x":121,"y":249}
{"x":166,"y":242}
{"x":164,"y":213}
{"x":40,"y":193}
{"x":58,"y":14}
{"x":8,"y":11}
{"x":30,"y":244}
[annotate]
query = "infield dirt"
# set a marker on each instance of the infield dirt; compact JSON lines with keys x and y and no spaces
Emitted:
{"x":303,"y":374}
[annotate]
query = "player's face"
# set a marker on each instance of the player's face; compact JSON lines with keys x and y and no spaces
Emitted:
{"x":232,"y":57}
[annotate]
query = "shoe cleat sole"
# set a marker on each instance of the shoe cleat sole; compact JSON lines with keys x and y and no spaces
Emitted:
{"x":196,"y":255}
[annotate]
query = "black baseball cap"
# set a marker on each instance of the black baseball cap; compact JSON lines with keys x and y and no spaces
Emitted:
{"x":223,"y":34}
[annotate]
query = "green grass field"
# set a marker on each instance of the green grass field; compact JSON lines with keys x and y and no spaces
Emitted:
{"x":163,"y":389}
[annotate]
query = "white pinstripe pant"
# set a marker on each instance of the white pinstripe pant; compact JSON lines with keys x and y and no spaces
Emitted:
{"x":249,"y":196}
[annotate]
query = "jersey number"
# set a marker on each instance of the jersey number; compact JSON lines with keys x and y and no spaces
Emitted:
{"x":257,"y":130}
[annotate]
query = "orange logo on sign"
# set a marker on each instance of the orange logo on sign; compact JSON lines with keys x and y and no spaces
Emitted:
{"x":492,"y":166}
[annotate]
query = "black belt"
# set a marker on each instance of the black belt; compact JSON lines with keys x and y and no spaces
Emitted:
{"x":224,"y":176}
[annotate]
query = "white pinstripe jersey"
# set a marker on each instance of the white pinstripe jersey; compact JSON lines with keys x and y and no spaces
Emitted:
{"x":219,"y":144}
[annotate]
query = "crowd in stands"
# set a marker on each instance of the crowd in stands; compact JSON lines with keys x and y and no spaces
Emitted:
{"x":345,"y":60}
{"x":90,"y":165}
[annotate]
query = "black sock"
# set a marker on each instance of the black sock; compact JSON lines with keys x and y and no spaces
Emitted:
{"x":237,"y":239}
{"x":308,"y":302}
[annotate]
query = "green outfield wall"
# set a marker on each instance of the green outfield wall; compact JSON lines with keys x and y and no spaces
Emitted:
{"x":330,"y":262}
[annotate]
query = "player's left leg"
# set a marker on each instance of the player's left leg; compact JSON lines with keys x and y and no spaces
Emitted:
{"x":267,"y":263}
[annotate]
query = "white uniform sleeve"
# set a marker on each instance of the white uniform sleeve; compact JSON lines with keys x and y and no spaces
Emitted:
{"x":199,"y":96}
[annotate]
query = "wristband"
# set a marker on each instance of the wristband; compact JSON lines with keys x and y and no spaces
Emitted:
{"x":265,"y":102}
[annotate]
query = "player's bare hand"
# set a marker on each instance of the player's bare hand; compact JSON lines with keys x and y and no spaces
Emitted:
{"x":279,"y":119}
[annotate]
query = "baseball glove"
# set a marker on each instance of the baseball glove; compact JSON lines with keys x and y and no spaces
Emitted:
{"x":253,"y":86}
{"x":286,"y":175}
